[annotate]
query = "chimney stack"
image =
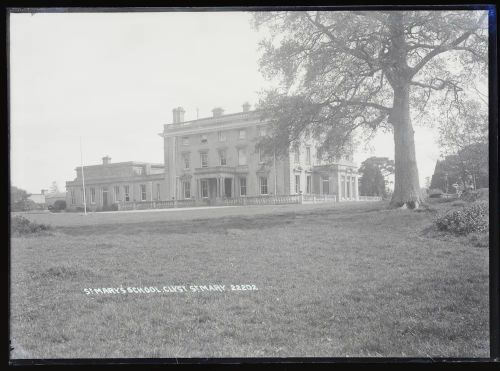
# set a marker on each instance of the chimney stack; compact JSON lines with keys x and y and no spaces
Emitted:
{"x":246,"y":107}
{"x":178,"y":115}
{"x":106,"y":160}
{"x":217,"y":111}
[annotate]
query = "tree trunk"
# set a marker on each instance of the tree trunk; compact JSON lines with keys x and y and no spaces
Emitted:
{"x":406,"y":184}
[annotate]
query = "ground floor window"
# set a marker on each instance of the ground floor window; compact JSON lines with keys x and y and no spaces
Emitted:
{"x":186,"y":186}
{"x":117,"y":193}
{"x":308,"y":184}
{"x":348,"y":187}
{"x":263,"y":185}
{"x":158,"y":194}
{"x":342,"y":186}
{"x":204,"y":188}
{"x":326,"y":185}
{"x":92,"y":195}
{"x":126,"y":190}
{"x":297,"y":183}
{"x":143,"y":192}
{"x":72,"y":191}
{"x":243,"y":186}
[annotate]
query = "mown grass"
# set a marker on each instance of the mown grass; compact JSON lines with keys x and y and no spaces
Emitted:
{"x":334,"y":281}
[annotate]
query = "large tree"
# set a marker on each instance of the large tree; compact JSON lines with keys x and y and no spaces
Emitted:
{"x":338,"y":72}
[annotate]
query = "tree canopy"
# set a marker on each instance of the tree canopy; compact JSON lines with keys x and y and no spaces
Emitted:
{"x":340,"y":73}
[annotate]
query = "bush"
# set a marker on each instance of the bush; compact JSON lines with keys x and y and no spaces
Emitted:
{"x":472,"y":218}
{"x":22,"y":226}
{"x":60,"y":205}
{"x":114,"y":207}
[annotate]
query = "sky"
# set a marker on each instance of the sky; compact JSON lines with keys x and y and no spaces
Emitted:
{"x":111,"y":80}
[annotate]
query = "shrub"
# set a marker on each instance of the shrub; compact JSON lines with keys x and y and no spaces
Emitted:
{"x":458,"y":203}
{"x":60,"y":205}
{"x":114,"y":207}
{"x":22,"y":226}
{"x":469,"y":196}
{"x":472,"y":218}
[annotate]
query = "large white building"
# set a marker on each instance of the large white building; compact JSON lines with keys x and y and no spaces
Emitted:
{"x":216,"y":157}
{"x":209,"y":160}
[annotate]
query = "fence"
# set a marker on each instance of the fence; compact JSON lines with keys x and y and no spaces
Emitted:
{"x":238,"y":201}
{"x":370,"y":198}
{"x":313,"y":198}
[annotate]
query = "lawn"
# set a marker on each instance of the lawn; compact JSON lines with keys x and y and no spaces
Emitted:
{"x":333,"y":280}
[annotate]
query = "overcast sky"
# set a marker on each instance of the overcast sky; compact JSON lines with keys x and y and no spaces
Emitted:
{"x":113,"y":78}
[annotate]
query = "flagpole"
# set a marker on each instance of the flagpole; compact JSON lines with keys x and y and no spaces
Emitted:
{"x":83,"y":179}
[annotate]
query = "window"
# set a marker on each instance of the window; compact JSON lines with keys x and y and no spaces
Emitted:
{"x":185,"y":159}
{"x":186,"y":186}
{"x":204,"y":138}
{"x":348,"y":186}
{"x":242,"y":156}
{"x":204,"y":188}
{"x":138,"y":170}
{"x":308,"y":155}
{"x":222,"y":136}
{"x":326,"y":185}
{"x":72,"y":191}
{"x":185,"y":141}
{"x":297,"y":156}
{"x":126,"y":192}
{"x":222,"y":158}
{"x":204,"y":159}
{"x":308,"y":184}
{"x":261,"y":155}
{"x":318,"y":157}
{"x":243,"y":186}
{"x":262,"y":131}
{"x":297,"y":183}
{"x":342,"y":186}
{"x":158,"y":194}
{"x":92,"y":195}
{"x":117,"y":193}
{"x":263,"y":185}
{"x":242,"y":134}
{"x":143,"y":192}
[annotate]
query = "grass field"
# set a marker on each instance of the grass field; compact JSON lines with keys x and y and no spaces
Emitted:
{"x":334,"y":280}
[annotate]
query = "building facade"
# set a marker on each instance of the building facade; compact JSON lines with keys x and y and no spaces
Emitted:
{"x":217,"y":157}
{"x":115,"y":183}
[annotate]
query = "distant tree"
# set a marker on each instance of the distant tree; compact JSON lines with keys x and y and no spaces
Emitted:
{"x":427,"y":182}
{"x":54,"y":188}
{"x":19,"y":200}
{"x":468,"y":168}
{"x":446,"y":173}
{"x":340,"y":71}
{"x":374,"y":172}
{"x":464,"y":133}
{"x":17,"y":194}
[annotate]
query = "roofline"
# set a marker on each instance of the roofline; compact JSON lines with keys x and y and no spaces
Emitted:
{"x":124,"y":163}
{"x":217,"y":117}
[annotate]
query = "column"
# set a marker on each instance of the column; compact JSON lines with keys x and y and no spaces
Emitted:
{"x":356,"y":188}
{"x":345,"y":186}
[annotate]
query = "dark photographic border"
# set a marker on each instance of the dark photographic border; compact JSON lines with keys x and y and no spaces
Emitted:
{"x":101,"y":7}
